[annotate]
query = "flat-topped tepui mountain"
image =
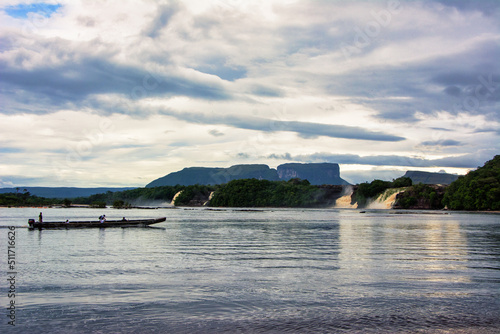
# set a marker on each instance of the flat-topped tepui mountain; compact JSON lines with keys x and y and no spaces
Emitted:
{"x":430,"y":178}
{"x":213,"y":175}
{"x":315,"y":173}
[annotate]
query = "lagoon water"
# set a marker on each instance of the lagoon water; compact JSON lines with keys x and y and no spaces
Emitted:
{"x":256,"y":271}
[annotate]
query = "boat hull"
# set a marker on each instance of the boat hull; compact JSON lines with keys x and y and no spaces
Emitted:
{"x":95,"y":224}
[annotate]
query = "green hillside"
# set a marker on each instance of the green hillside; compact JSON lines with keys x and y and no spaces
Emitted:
{"x":264,"y":193}
{"x":478,"y":190}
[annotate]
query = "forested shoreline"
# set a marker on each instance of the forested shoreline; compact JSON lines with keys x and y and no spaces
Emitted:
{"x":479,"y":190}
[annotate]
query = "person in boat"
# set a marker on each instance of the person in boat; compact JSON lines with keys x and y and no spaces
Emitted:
{"x":40,"y":218}
{"x":124,"y":220}
{"x":67,"y":221}
{"x":102,"y":218}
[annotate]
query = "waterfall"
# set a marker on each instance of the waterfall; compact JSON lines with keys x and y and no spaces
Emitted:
{"x":386,"y":200}
{"x":209,"y":198}
{"x":175,"y":196}
{"x":344,"y":202}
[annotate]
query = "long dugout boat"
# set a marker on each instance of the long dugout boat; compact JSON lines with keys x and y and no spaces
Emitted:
{"x":32,"y":224}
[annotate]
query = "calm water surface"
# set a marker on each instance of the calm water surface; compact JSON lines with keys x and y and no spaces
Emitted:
{"x":259,"y":271}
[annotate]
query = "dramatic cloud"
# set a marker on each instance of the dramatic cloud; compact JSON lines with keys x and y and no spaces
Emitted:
{"x":71,"y":76}
{"x":466,"y":161}
{"x":303,"y":129}
{"x":378,"y":86}
{"x":443,"y":142}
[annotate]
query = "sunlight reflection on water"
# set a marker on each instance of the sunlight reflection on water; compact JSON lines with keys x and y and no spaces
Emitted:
{"x":260,"y":271}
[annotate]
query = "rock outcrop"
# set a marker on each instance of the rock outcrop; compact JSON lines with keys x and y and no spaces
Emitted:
{"x":430,"y":178}
{"x":317,"y":174}
{"x":209,"y":176}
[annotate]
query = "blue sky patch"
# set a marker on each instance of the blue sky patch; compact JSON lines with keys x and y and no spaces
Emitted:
{"x":21,"y":11}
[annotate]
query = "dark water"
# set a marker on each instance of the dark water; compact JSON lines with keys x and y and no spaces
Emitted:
{"x":276,"y":271}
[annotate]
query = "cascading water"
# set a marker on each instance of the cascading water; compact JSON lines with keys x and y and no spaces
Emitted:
{"x":386,"y":200}
{"x":209,"y":198}
{"x":344,"y":202}
{"x":175,"y":196}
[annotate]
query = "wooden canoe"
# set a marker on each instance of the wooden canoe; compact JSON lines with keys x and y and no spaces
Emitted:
{"x":32,"y":224}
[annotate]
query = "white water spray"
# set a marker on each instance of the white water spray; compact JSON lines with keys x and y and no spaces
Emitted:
{"x":344,"y":202}
{"x":175,"y":196}
{"x":386,"y":200}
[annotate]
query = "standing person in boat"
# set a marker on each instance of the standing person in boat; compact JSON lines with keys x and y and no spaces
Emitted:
{"x":40,"y":218}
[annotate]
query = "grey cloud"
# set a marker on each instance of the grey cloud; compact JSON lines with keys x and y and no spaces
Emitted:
{"x":453,"y":91}
{"x":12,"y":181}
{"x":415,"y":84}
{"x":220,"y":68}
{"x":457,"y":77}
{"x":267,"y":91}
{"x":215,"y":133}
{"x":443,"y":142}
{"x":303,"y":129}
{"x":360,"y":176}
{"x":86,"y":21}
{"x":243,"y":155}
{"x":311,"y":38}
{"x":284,"y":156}
{"x":466,"y":161}
{"x":487,"y":7}
{"x":11,"y":150}
{"x":77,"y":79}
{"x":441,"y":129}
{"x":162,"y":18}
{"x":490,"y":129}
{"x":434,"y":84}
{"x":6,"y":43}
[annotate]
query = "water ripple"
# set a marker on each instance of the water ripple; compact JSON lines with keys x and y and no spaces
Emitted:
{"x":274,"y":271}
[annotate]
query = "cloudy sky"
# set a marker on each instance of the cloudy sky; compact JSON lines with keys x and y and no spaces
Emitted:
{"x":119,"y":93}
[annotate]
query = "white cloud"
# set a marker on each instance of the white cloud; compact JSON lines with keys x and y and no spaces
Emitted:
{"x":221,"y":82}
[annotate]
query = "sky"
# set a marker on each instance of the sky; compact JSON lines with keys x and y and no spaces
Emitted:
{"x":119,"y":93}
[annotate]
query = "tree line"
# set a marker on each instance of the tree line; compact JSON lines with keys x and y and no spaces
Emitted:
{"x":478,"y":190}
{"x":264,"y":193}
{"x":26,"y":199}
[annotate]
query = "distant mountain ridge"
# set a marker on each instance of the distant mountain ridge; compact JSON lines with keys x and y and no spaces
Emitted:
{"x":62,"y":192}
{"x":315,"y":173}
{"x":209,"y":175}
{"x":430,"y":178}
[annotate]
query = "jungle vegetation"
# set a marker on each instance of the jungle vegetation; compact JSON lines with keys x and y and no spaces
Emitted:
{"x":367,"y":191}
{"x":264,"y":193}
{"x":478,"y":190}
